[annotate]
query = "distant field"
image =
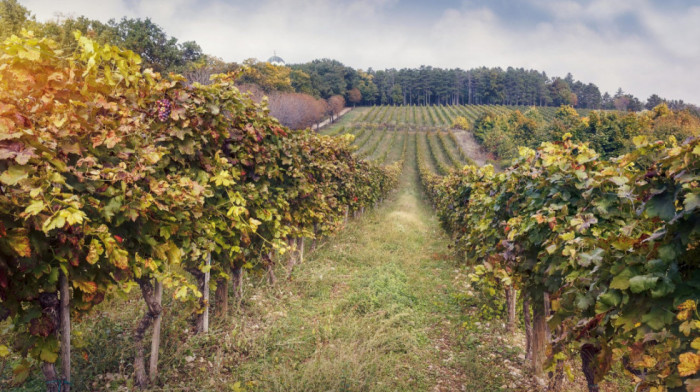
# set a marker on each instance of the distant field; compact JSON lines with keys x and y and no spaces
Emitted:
{"x":385,"y":133}
{"x":429,"y":117}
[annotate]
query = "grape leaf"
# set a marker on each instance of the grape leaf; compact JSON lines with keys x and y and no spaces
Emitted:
{"x":641,"y":283}
{"x":661,"y":206}
{"x":14,"y":174}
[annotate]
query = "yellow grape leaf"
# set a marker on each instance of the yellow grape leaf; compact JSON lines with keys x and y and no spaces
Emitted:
{"x":687,"y":308}
{"x":236,"y":387}
{"x":85,"y":286}
{"x":619,"y":181}
{"x":180,"y":293}
{"x":57,"y":221}
{"x":173,"y":254}
{"x":119,"y":259}
{"x":58,"y":122}
{"x":73,"y":216}
{"x":569,"y":373}
{"x":689,"y":364}
{"x":551,"y":249}
{"x":548,"y":160}
{"x":95,"y":251}
{"x":34,"y":207}
{"x":48,"y":355}
{"x":639,"y":140}
{"x":647,"y":362}
{"x":695,"y":344}
{"x":29,"y":54}
{"x":4,"y":351}
{"x":14,"y":174}
{"x":672,"y":152}
{"x":568,"y":236}
{"x":20,"y":244}
{"x":150,"y":264}
{"x":254,"y":223}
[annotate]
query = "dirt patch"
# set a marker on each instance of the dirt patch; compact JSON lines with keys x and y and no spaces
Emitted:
{"x":471,"y":147}
{"x":449,"y":377}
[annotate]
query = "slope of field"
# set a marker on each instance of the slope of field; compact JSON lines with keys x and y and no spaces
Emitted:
{"x":449,"y":147}
{"x":428,"y":117}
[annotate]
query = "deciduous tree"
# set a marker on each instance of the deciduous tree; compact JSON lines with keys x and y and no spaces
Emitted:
{"x":354,"y":96}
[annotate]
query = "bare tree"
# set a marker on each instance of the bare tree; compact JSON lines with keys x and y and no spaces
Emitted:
{"x":256,"y":92}
{"x":336,"y":104}
{"x":296,"y":110}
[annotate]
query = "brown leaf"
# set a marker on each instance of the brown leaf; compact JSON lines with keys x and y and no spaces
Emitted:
{"x":42,"y":326}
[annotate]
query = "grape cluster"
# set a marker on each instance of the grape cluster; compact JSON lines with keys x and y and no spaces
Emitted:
{"x":164,"y":106}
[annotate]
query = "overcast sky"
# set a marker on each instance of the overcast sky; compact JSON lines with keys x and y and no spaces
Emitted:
{"x":642,"y":46}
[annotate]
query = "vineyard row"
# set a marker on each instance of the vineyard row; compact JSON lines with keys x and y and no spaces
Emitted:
{"x":605,"y":253}
{"x":114,"y":179}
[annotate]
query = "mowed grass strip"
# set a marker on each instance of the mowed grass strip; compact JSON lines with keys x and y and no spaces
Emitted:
{"x":363,"y":311}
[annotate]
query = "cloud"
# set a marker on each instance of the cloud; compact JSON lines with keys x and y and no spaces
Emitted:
{"x":638,"y":45}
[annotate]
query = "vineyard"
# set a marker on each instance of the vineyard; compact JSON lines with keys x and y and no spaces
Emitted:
{"x":440,"y":133}
{"x":603,"y":251}
{"x":434,"y":117}
{"x":379,"y":132}
{"x":133,"y":205}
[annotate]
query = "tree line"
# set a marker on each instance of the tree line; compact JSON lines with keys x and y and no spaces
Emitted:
{"x":325,"y":78}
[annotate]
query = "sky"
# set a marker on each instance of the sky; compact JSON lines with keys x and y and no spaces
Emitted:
{"x":641,"y":46}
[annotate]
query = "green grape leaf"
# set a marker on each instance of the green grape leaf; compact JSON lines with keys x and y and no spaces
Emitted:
{"x":692,"y":202}
{"x":641,"y":283}
{"x":21,"y":371}
{"x":661,"y":206}
{"x":657,"y":318}
{"x":622,"y":280}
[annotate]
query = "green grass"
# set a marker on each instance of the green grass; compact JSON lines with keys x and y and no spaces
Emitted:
{"x":363,"y":309}
{"x":346,"y":120}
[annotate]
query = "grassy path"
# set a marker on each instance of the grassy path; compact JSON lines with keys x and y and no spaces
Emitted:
{"x":373,"y":309}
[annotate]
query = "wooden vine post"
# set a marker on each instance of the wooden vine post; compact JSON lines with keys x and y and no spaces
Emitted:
{"x":511,"y":302}
{"x":155,"y":341}
{"x":64,"y":316}
{"x":205,"y":295}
